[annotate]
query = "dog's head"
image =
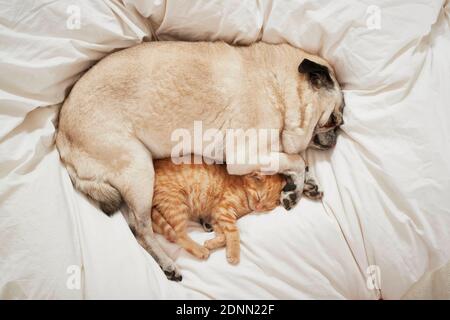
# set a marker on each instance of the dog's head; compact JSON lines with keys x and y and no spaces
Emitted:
{"x":329,"y":102}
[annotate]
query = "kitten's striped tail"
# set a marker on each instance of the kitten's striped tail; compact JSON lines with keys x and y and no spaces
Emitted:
{"x":161,"y":226}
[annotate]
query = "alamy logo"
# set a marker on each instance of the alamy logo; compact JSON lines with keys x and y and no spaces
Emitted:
{"x":373,"y":21}
{"x":373,"y":280}
{"x":73,"y":281}
{"x":233,"y":146}
{"x":74,"y":20}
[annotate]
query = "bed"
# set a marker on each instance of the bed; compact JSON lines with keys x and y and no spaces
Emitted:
{"x":384,"y":221}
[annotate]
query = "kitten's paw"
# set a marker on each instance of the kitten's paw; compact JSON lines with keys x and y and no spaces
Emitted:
{"x":209,"y":244}
{"x":233,"y":259}
{"x":172,"y":272}
{"x":215,"y":243}
{"x":311,"y":190}
{"x":201,"y":252}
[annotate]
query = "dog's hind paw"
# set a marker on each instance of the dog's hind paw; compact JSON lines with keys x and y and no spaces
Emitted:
{"x":172,"y":273}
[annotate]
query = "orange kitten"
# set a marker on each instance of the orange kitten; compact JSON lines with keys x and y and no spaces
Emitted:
{"x":208,"y":193}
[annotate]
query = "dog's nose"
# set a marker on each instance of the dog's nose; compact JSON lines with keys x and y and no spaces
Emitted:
{"x":333,"y":138}
{"x":337,"y":118}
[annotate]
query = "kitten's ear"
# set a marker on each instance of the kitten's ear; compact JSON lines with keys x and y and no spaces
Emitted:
{"x":256,"y":175}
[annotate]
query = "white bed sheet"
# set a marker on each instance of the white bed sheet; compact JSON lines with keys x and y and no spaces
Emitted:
{"x":386,"y":206}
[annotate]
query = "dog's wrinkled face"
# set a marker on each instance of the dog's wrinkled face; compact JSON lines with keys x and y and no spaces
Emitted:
{"x":330,"y":102}
{"x":325,"y":136}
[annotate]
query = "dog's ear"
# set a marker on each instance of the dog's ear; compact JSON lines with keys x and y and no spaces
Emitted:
{"x":318,"y":75}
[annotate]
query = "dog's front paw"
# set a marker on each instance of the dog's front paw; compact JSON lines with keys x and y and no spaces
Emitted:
{"x":289,"y":199}
{"x":311,"y":190}
{"x":291,"y":193}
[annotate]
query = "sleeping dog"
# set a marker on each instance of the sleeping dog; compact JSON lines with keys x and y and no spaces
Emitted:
{"x":122,"y":114}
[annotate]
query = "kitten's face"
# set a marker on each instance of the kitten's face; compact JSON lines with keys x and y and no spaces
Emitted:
{"x":263,"y":191}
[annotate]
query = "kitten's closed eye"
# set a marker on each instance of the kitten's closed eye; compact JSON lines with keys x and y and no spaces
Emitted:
{"x":264,"y":195}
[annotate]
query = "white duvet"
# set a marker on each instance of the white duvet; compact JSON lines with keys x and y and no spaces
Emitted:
{"x":384,"y":220}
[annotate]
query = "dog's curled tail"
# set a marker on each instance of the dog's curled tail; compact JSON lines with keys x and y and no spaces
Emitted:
{"x":106,"y":195}
{"x":96,"y":188}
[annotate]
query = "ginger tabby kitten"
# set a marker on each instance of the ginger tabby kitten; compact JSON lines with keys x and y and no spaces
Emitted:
{"x":202,"y":192}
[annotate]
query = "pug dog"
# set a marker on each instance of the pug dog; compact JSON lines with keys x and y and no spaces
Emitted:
{"x":124,"y":111}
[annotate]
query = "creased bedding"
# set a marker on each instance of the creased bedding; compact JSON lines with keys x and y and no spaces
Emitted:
{"x":386,"y":210}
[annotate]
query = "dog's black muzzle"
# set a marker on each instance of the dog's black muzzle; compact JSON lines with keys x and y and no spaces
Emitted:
{"x":324,"y":140}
